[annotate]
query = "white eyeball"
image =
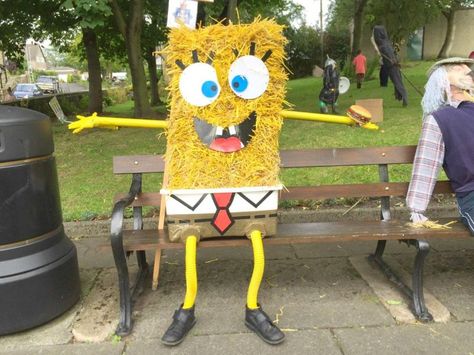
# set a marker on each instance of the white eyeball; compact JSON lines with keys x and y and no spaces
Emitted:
{"x":248,"y":77}
{"x":198,"y":84}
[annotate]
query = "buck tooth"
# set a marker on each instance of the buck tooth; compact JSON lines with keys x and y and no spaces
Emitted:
{"x":231,"y":130}
{"x":219,"y":131}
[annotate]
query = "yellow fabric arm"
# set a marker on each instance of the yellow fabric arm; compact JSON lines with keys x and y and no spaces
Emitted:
{"x":93,"y":120}
{"x":320,"y":117}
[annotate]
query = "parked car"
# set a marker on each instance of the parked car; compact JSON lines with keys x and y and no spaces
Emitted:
{"x":119,"y":76}
{"x":49,"y":84}
{"x":24,"y":91}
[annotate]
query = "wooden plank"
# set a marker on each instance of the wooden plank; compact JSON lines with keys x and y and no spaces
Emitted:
{"x":318,"y":192}
{"x":131,"y":164}
{"x":355,"y":190}
{"x":143,"y":199}
{"x":298,"y":158}
{"x":299,"y":233}
{"x":347,"y":156}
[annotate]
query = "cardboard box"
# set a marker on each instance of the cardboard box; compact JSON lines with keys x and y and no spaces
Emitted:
{"x":318,"y":72}
{"x":374,"y":106}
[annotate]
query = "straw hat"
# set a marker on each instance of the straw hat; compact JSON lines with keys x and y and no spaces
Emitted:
{"x":453,"y":60}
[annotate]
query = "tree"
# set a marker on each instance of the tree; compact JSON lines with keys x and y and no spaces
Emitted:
{"x":448,"y":9}
{"x":91,"y":16}
{"x":342,"y":13}
{"x":154,"y":33}
{"x":130,"y":25}
{"x":23,"y":19}
{"x":303,"y":50}
{"x":359,"y":7}
{"x":284,"y":11}
{"x":400,"y":18}
{"x":57,"y":20}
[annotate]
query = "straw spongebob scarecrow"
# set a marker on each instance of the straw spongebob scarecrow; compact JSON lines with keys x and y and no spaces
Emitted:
{"x":227,"y":90}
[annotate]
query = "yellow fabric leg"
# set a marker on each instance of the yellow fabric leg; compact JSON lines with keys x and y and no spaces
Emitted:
{"x":258,"y":268}
{"x":191,"y":274}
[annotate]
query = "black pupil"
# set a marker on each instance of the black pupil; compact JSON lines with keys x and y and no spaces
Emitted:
{"x":235,"y":84}
{"x":214,"y":88}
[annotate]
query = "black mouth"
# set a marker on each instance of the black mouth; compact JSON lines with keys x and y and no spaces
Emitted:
{"x":226,"y":139}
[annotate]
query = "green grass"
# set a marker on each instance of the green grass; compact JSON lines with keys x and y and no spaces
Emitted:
{"x":84,"y":161}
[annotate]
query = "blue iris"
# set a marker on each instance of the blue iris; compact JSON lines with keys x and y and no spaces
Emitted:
{"x":239,"y":83}
{"x":209,"y":88}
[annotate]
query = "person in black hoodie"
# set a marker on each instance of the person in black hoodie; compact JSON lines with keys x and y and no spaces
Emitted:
{"x":391,"y":65}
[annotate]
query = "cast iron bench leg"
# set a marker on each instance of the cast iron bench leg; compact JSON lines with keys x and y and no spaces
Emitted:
{"x":125,"y":323}
{"x":141,"y":256}
{"x":142,"y":274}
{"x":416,"y":295}
{"x":116,"y":240}
{"x":421,"y":312}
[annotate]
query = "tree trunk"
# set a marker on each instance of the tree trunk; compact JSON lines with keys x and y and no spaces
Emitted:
{"x":201,"y":15}
{"x":154,"y":94}
{"x":359,"y":6}
{"x":131,"y":31}
{"x":89,"y":40}
{"x":137,"y":71}
{"x":232,"y":11}
{"x":448,"y":39}
{"x":229,"y":12}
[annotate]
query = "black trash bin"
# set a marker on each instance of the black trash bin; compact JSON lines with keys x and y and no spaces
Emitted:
{"x":39,"y":274}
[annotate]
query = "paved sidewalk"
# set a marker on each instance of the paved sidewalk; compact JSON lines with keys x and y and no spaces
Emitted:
{"x":317,"y":292}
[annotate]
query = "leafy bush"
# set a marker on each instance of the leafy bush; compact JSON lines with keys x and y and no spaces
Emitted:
{"x":372,"y":65}
{"x":303,"y":50}
{"x":337,"y":46}
{"x":36,"y":73}
{"x":116,"y":95}
{"x":73,"y":78}
{"x":73,"y":103}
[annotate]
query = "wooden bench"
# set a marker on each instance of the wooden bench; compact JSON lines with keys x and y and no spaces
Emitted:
{"x":126,"y":241}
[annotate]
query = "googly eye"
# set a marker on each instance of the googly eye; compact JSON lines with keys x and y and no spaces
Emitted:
{"x":198,"y":84}
{"x":248,"y":77}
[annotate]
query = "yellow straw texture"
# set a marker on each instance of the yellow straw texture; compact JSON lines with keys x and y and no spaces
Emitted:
{"x":192,"y":164}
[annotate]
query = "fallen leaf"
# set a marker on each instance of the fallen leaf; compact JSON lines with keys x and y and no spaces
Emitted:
{"x":394,"y":302}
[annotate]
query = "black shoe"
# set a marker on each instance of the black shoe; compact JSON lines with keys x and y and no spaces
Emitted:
{"x":259,"y":322}
{"x":183,"y":321}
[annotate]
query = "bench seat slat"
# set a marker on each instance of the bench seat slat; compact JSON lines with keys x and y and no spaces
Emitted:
{"x":298,"y":233}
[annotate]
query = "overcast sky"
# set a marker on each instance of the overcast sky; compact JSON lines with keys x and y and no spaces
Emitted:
{"x":312,"y":10}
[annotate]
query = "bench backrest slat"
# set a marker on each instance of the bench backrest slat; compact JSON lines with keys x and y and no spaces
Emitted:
{"x":131,"y":164}
{"x":297,"y":158}
{"x":319,"y":192}
{"x":347,"y":156}
{"x":301,"y":158}
{"x":355,"y":190}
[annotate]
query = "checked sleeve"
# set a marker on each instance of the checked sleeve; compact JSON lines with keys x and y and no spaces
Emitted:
{"x":428,"y":161}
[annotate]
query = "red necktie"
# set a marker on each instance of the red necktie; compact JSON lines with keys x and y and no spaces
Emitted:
{"x":222,"y":220}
